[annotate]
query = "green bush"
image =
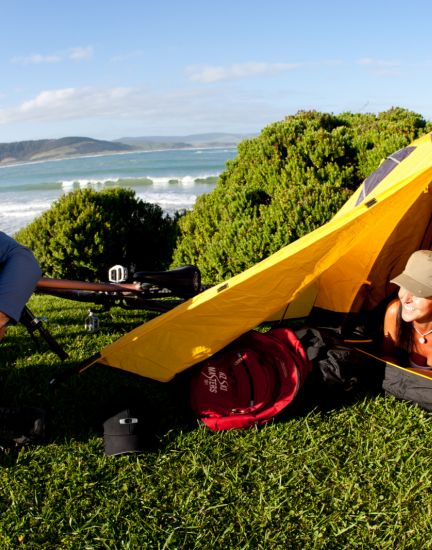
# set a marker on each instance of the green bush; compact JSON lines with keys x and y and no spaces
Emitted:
{"x":284,"y":183}
{"x":377,"y":136}
{"x":86,"y":232}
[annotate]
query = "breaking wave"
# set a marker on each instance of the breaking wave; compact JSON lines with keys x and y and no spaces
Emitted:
{"x":171,"y":179}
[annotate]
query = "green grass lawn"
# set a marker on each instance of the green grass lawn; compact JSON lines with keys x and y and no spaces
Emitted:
{"x":353,"y":474}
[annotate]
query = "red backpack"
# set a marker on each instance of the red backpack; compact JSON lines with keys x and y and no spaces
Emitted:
{"x":250,"y":381}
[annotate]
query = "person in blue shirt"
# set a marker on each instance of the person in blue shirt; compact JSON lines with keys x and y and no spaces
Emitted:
{"x":19,"y":273}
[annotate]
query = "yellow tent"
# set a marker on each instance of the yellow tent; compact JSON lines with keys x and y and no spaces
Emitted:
{"x":343,"y":266}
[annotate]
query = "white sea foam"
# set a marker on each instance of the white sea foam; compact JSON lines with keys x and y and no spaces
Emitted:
{"x":15,"y":215}
{"x":187,"y":181}
{"x":70,"y":185}
{"x":173,"y":180}
{"x":162,"y":181}
{"x":187,"y":199}
{"x":156,"y":181}
{"x":170,"y":203}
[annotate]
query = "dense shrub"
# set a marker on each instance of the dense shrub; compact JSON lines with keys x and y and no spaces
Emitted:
{"x":86,"y":232}
{"x":286,"y":182}
{"x":376,"y":136}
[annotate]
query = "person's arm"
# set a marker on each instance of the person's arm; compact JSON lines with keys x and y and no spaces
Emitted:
{"x":4,"y":320}
{"x":391,"y":329}
{"x":19,"y":273}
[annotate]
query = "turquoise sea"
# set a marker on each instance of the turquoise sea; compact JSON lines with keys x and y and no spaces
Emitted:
{"x":171,"y":178}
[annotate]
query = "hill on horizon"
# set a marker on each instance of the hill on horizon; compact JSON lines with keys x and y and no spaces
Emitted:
{"x":50,"y":149}
{"x":211,"y":139}
{"x":46,"y":149}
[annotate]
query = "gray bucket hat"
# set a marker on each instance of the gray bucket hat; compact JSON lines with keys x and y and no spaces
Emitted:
{"x":417,"y":275}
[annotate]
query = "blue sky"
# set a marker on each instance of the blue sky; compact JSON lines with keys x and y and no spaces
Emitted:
{"x":109,"y":69}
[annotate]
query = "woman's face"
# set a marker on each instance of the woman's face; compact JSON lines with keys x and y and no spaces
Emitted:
{"x":415,"y":308}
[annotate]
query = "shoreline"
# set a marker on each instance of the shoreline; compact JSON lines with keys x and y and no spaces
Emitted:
{"x":172,"y":179}
{"x":113,"y":153}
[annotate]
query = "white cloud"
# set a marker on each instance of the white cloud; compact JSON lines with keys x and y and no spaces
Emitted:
{"x":90,"y":108}
{"x":209,"y":73}
{"x":380,"y":67}
{"x":331,"y":63}
{"x":126,"y":56}
{"x":77,"y":54}
{"x":73,"y":54}
{"x":369,"y":61}
{"x":36,"y":59}
{"x":68,"y":103}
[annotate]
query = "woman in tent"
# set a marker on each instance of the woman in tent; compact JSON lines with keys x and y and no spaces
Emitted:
{"x":408,"y":319}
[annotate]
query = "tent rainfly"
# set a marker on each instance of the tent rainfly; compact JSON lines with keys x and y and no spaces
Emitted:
{"x":344,"y":266}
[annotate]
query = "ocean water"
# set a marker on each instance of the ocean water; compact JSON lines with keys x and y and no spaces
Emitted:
{"x":172,"y":179}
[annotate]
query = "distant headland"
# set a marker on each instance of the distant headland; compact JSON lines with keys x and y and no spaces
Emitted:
{"x":50,"y":149}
